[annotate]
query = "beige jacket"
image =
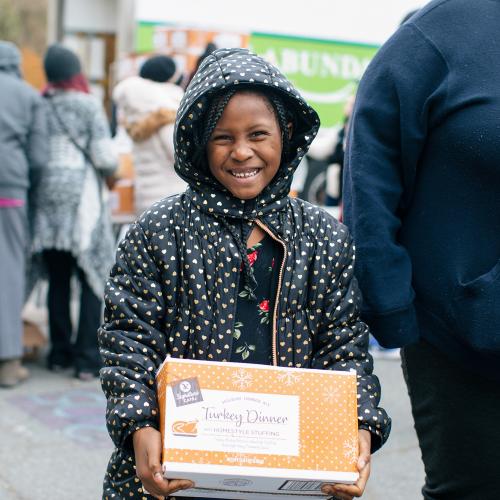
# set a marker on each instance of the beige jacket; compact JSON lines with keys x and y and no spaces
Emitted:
{"x":147,"y":110}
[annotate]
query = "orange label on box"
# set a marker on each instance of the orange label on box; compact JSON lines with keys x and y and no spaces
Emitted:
{"x":258,"y":416}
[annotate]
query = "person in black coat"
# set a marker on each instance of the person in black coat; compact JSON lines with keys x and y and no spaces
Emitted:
{"x":421,"y":198}
{"x":231,"y":270}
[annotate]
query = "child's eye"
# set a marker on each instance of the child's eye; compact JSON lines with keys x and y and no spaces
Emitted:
{"x":259,"y":133}
{"x":221,"y":138}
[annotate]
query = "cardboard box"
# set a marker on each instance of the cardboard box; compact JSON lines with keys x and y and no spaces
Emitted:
{"x":121,"y":197}
{"x":255,"y":431}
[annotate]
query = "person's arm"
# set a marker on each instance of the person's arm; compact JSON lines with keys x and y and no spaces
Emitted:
{"x":147,"y":448}
{"x":342,"y":344}
{"x":341,"y":341}
{"x":37,"y":143}
{"x":385,"y":140}
{"x":133,"y":344}
{"x":349,"y":491}
{"x":131,"y":340}
{"x":143,"y":129}
{"x":101,"y":146}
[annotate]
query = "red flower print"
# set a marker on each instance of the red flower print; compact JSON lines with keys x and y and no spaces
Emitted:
{"x":264,"y":306}
{"x":264,"y":311}
{"x":252,"y":257}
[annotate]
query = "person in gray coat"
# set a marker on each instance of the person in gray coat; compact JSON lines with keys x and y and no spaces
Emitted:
{"x":23,"y":152}
{"x":72,"y":233}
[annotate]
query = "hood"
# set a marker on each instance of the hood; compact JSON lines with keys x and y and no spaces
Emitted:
{"x":223,"y":69}
{"x":10,"y":58}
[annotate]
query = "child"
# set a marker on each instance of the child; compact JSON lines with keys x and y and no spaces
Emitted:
{"x":231,"y":270}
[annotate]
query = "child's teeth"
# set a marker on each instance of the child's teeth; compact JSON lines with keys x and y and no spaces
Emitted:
{"x":245,"y":174}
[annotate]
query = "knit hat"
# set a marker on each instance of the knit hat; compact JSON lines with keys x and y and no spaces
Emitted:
{"x":159,"y":69}
{"x":10,"y":57}
{"x":61,"y":63}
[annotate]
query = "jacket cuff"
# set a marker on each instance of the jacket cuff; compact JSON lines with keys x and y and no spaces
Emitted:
{"x":126,"y":440}
{"x":378,"y":439}
{"x":394,"y":329}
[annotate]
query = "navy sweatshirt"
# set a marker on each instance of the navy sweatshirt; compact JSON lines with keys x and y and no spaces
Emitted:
{"x":422,"y":184}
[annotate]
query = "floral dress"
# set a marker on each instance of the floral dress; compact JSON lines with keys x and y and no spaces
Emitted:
{"x":254,"y":318}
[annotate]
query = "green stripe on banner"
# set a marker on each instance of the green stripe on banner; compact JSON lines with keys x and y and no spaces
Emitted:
{"x":325,"y":72}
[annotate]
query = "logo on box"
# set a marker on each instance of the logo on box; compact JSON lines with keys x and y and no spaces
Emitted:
{"x":186,"y":392}
{"x":183,"y":428}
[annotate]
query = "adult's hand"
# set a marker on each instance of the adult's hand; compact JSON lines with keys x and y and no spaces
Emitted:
{"x":147,"y":448}
{"x":349,"y":491}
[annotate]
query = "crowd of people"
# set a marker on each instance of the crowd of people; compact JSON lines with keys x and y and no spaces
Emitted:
{"x":223,"y":264}
{"x":58,"y":162}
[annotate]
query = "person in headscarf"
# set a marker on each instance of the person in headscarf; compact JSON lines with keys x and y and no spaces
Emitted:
{"x":72,"y":232}
{"x":24,"y":153}
{"x":147,"y":105}
{"x":231,"y":270}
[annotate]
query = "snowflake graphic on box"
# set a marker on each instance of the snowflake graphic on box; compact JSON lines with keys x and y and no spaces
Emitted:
{"x":332,"y":393}
{"x":288,"y":377}
{"x":351,"y":450}
{"x":242,"y":379}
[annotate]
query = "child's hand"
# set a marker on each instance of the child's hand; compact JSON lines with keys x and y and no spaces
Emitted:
{"x":349,"y":491}
{"x":147,"y":448}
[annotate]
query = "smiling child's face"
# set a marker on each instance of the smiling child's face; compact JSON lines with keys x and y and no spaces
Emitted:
{"x":244,"y":150}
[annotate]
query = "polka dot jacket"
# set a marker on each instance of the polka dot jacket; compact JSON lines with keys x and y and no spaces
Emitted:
{"x":174,"y":287}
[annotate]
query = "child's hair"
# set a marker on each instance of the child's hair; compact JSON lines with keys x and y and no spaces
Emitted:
{"x":215,"y":109}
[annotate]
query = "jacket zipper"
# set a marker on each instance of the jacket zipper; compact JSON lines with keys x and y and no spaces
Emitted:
{"x":280,"y":279}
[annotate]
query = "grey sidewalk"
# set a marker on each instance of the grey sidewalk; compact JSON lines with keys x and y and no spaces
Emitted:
{"x":55,"y":445}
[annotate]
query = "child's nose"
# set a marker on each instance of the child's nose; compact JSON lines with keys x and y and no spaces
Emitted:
{"x":241,"y":151}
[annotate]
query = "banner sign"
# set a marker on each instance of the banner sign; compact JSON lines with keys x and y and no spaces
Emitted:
{"x":325,"y":72}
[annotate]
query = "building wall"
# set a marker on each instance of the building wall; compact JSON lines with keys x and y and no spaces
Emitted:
{"x":90,"y":15}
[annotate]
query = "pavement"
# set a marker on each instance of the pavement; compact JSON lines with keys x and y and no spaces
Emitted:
{"x":55,"y":445}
